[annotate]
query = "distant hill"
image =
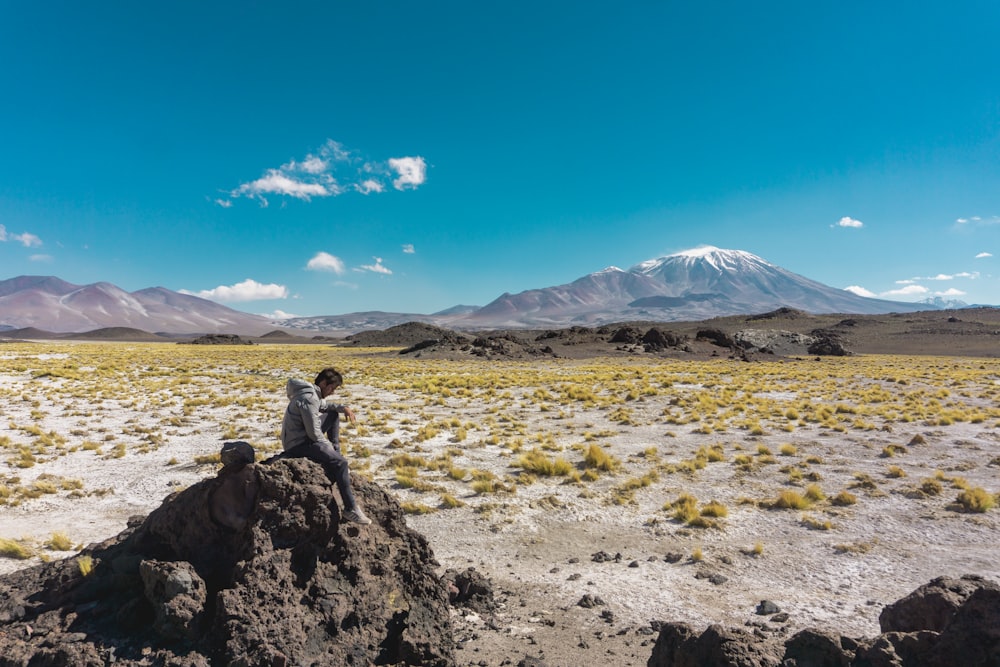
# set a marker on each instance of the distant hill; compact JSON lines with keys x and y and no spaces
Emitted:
{"x":51,"y":304}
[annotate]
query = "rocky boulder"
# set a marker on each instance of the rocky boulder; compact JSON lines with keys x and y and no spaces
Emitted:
{"x":253,"y":567}
{"x":944,"y":623}
{"x":220,"y":339}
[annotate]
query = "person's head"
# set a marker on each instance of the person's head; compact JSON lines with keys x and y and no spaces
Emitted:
{"x":328,"y":380}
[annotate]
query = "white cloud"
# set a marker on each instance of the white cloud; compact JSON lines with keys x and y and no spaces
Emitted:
{"x":950,"y":292}
{"x":277,"y":182}
{"x":27,"y":239}
{"x":324,"y":261}
{"x":979,"y":220}
{"x":377,"y":267}
{"x":941,"y":276}
{"x":909,"y":290}
{"x":279,"y":315}
{"x":248,"y":290}
{"x":983,"y":255}
{"x":850,"y":222}
{"x":368,"y":186}
{"x":860,"y":291}
{"x":40,"y":258}
{"x":408,"y":248}
{"x":311,"y":165}
{"x":412,"y":172}
{"x":329,"y":172}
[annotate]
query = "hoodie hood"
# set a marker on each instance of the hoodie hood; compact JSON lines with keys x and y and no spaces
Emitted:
{"x":296,"y":387}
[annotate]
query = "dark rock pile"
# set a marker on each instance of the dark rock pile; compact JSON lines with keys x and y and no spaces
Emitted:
{"x":221,"y":339}
{"x":254,"y":567}
{"x":407,"y":335}
{"x":828,"y":343}
{"x":945,"y":623}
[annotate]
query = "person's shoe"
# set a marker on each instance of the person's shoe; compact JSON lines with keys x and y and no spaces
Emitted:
{"x":357,"y":516}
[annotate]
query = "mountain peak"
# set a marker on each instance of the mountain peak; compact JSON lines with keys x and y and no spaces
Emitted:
{"x":706,"y":256}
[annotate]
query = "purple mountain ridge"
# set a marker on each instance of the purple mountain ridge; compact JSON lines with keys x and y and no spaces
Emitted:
{"x":51,"y":304}
{"x":692,"y":285}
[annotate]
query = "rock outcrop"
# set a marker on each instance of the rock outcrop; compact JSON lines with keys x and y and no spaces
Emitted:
{"x":944,"y":623}
{"x":253,"y":567}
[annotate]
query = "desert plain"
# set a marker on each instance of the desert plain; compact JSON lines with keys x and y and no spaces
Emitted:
{"x":599,"y":494}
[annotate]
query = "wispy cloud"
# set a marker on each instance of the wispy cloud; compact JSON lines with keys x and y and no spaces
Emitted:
{"x":330,"y":171}
{"x":45,"y":259}
{"x":248,"y":290}
{"x":983,"y":255}
{"x":979,"y":220}
{"x":950,"y":292}
{"x":324,"y":261}
{"x":27,"y":239}
{"x":377,"y":267}
{"x":849,"y":222}
{"x":973,"y":275}
{"x":408,"y":248}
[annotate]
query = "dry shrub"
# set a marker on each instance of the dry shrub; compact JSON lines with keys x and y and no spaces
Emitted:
{"x":598,"y":459}
{"x":976,"y":500}
{"x":790,"y":500}
{"x":844,"y":498}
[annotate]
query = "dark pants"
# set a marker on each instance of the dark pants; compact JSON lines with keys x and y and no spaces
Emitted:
{"x":333,"y":462}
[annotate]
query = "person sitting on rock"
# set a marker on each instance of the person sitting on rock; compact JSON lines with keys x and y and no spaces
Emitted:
{"x":311,"y":430}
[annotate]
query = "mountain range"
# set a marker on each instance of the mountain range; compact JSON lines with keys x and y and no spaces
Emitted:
{"x":51,"y":304}
{"x":692,"y":285}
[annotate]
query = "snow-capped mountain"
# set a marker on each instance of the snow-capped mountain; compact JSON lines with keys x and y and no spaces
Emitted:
{"x":51,"y":304}
{"x":691,"y":285}
{"x":944,"y":304}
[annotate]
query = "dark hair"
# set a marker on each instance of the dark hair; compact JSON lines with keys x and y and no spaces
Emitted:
{"x":330,"y":376}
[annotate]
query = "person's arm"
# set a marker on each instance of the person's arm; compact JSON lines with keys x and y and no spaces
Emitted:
{"x":327,"y":405}
{"x":310,"y":407}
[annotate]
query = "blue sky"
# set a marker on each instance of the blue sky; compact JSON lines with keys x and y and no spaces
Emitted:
{"x":323,"y":158}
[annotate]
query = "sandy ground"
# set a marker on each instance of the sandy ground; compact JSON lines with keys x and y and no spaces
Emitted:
{"x":538,"y":545}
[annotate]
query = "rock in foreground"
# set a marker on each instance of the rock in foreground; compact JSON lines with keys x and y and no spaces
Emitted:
{"x":254,"y":567}
{"x":944,"y":623}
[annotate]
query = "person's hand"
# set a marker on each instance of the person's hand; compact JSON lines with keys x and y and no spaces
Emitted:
{"x":350,"y":415}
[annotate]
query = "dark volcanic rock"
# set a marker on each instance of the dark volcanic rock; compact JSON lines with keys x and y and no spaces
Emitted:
{"x":945,"y":623}
{"x":220,"y":339}
{"x":679,"y":646}
{"x":827,"y":344}
{"x":254,"y":567}
{"x":657,"y":339}
{"x":817,"y":648}
{"x":716,"y":337}
{"x":972,"y":639}
{"x":471,"y":590}
{"x":626,"y":335}
{"x":932,"y":606}
{"x":406,"y":335}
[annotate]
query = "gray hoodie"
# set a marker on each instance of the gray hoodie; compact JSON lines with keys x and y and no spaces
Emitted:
{"x":303,"y":421}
